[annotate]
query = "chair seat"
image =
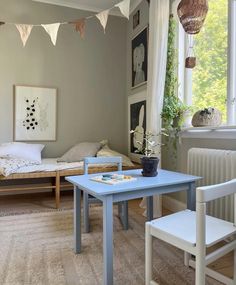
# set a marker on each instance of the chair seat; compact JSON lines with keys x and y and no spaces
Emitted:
{"x":182,"y":226}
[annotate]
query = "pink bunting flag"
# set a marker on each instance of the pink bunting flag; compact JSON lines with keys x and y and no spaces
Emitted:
{"x":103,"y":17}
{"x":24,"y":31}
{"x":79,"y":26}
{"x":124,"y":7}
{"x":52,"y":30}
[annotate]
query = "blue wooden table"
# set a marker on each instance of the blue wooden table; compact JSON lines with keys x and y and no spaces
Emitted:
{"x":165,"y":182}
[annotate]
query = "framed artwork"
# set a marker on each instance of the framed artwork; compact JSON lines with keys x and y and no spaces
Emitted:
{"x":35,"y":113}
{"x":136,"y":19}
{"x":137,"y":120}
{"x":140,"y":58}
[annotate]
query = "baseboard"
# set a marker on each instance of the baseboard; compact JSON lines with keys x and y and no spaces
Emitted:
{"x":172,"y":204}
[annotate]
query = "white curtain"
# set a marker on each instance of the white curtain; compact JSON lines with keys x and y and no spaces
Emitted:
{"x":157,"y":57}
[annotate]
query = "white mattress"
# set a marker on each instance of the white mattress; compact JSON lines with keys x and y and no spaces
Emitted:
{"x":50,"y":164}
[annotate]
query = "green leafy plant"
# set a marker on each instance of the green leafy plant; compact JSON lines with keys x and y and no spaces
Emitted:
{"x":173,"y":108}
{"x":173,"y":112}
{"x":150,"y":142}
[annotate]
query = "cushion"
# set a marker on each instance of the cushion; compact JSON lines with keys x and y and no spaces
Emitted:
{"x":25,"y":151}
{"x":80,"y":151}
{"x":106,"y":151}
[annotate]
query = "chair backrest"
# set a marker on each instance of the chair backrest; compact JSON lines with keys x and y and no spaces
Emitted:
{"x":102,"y":160}
{"x":208,"y":193}
{"x":212,"y":192}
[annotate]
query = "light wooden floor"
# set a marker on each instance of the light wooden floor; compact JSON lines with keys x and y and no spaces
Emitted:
{"x":43,"y":202}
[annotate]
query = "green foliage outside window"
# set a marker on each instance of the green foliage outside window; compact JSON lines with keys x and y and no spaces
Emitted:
{"x":210,"y":74}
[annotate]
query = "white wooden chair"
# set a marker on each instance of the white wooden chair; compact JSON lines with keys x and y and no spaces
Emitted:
{"x":193,"y":232}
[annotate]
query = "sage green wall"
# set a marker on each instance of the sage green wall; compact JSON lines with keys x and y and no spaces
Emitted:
{"x":90,"y":74}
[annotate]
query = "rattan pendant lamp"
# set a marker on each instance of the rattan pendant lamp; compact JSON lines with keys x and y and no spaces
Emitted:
{"x":192,"y":14}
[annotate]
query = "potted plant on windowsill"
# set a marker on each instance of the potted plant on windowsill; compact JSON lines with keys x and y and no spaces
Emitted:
{"x":148,"y":148}
{"x":173,"y":113}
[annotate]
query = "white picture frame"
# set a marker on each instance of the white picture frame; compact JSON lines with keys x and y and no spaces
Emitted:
{"x":136,"y":102}
{"x":34,"y":113}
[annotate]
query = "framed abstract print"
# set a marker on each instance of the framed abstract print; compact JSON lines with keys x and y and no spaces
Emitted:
{"x":35,"y":113}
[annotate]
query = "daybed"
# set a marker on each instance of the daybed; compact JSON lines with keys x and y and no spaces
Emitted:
{"x":48,"y":175}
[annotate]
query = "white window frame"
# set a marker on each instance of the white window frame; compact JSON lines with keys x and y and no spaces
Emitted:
{"x":231,"y":81}
{"x":185,"y":75}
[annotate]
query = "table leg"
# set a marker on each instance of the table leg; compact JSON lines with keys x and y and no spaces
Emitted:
{"x":77,"y":219}
{"x":191,"y":197}
{"x":123,"y":214}
{"x":150,"y":208}
{"x":86,"y":211}
{"x":108,"y":241}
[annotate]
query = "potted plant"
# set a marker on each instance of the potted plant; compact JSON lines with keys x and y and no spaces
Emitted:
{"x":148,"y":146}
{"x":173,"y":112}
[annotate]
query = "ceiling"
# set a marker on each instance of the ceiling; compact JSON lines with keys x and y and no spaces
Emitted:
{"x":92,"y":5}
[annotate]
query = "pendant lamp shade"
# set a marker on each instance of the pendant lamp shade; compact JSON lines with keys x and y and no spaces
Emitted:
{"x":192,"y":14}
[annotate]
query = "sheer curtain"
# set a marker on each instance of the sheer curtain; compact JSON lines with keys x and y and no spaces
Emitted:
{"x":157,"y":57}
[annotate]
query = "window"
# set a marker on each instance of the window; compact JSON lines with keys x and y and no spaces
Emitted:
{"x":209,"y":77}
{"x":212,"y":83}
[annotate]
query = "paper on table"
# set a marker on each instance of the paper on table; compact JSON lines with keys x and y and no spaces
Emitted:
{"x":112,"y":181}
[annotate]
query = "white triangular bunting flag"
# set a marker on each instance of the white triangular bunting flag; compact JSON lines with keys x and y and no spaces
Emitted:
{"x":52,"y":30}
{"x":124,"y":7}
{"x":103,"y":17}
{"x":24,"y":31}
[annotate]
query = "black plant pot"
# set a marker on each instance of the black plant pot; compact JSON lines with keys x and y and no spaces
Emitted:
{"x":149,"y":165}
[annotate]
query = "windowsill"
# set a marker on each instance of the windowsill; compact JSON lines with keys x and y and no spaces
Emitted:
{"x":222,"y":132}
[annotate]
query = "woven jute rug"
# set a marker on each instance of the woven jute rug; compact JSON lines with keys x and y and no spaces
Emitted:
{"x":38,"y":249}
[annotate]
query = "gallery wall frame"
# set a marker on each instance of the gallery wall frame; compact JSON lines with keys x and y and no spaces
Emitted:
{"x":34,"y":113}
{"x":139,"y":53}
{"x":137,"y":120}
{"x":136,"y":19}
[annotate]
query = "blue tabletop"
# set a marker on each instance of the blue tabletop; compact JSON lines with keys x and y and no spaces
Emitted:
{"x":164,"y":178}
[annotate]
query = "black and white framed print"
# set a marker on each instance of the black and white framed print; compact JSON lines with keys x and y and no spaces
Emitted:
{"x":137,"y":121}
{"x":136,"y":19}
{"x":35,"y":114}
{"x":140,"y":58}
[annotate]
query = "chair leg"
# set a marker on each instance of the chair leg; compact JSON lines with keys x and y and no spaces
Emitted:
{"x":148,"y":255}
{"x":200,"y":270}
{"x":57,"y":192}
{"x":86,"y":212}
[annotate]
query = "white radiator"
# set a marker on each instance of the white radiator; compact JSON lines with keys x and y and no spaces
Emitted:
{"x":215,"y":166}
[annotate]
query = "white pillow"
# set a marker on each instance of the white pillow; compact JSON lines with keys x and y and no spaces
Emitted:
{"x":26,"y":151}
{"x":106,"y":151}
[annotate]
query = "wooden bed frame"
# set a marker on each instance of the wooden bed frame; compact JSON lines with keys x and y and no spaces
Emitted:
{"x":55,"y":176}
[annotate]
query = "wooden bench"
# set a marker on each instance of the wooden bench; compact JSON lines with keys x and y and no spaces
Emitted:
{"x":55,"y":178}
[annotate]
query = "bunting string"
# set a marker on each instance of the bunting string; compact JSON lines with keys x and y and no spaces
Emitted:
{"x":79,"y":25}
